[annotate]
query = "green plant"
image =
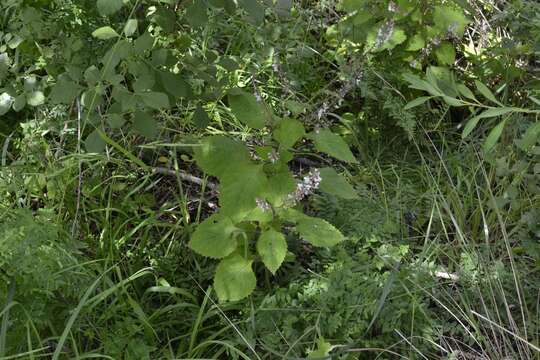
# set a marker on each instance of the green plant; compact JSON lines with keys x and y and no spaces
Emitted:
{"x":257,"y":199}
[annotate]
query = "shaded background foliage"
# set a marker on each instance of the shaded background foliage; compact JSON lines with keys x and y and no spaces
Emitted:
{"x":101,"y":104}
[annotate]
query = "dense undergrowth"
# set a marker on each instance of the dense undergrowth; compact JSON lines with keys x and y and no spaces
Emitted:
{"x":272,"y":179}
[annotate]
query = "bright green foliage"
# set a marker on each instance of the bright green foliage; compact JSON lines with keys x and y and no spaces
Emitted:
{"x":131,"y":27}
{"x":144,"y":124}
{"x":39,"y":270}
{"x":234,"y":278}
{"x":280,"y":186}
{"x":215,"y":237}
{"x":288,"y":132}
{"x":94,"y":143}
{"x":253,"y":192}
{"x":105,"y":33}
{"x":35,"y":98}
{"x":247,"y":109}
{"x":335,"y":184}
{"x":322,"y":351}
{"x":403,"y":27}
{"x":216,"y":155}
{"x":168,"y":152}
{"x":450,"y":18}
{"x":175,"y":84}
{"x":272,"y":248}
{"x":319,"y":232}
{"x":446,"y":55}
{"x":332,"y":144}
{"x":200,"y":118}
{"x":240,"y":188}
{"x":109,"y":7}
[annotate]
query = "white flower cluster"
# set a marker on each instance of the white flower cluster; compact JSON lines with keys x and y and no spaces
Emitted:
{"x":273,"y":156}
{"x":385,"y":33}
{"x":392,"y":7}
{"x":263,"y":204}
{"x":307,"y":186}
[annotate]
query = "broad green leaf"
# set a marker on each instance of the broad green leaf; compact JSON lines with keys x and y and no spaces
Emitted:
{"x":254,"y":9}
{"x":19,"y":103}
{"x":453,"y":101}
{"x":131,"y":27}
{"x":416,"y":43}
{"x":145,"y":82}
{"x":295,"y":107}
{"x":109,"y":7}
{"x":200,"y":118}
{"x":335,"y":184}
{"x":493,"y":112}
{"x":119,"y":51}
{"x":92,"y":75}
{"x":196,"y":14}
{"x":529,"y":139}
{"x":165,"y":18}
{"x":351,"y":5}
{"x":465,"y":91}
{"x":30,"y":83}
{"x":155,"y":100}
{"x":446,"y":55}
{"x":288,"y":132}
{"x":240,"y":186}
{"x":322,"y":351}
{"x":115,"y":120}
{"x":420,"y":84}
{"x":214,"y":237}
{"x":534,"y":100}
{"x":272,"y":247}
{"x":247,"y":109}
{"x":15,"y":41}
{"x":145,"y":124}
{"x":332,"y":144}
{"x":484,"y":90}
{"x":35,"y":98}
{"x":5,"y":103}
{"x":175,"y":84}
{"x":160,"y":57}
{"x":416,"y":102}
{"x":398,"y":37}
{"x":259,"y":215}
{"x":105,"y":33}
{"x":64,"y":91}
{"x":234,"y":279}
{"x":450,"y":19}
{"x":470,"y":126}
{"x":318,"y":232}
{"x":216,"y":155}
{"x":494,"y":136}
{"x":91,"y":98}
{"x":280,"y":185}
{"x":94,"y":143}
{"x":143,"y":43}
{"x":283,"y":8}
{"x":291,"y":215}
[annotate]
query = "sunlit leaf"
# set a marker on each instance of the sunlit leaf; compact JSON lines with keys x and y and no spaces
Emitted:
{"x":109,"y":7}
{"x":272,"y":247}
{"x":234,"y":279}
{"x":214,"y":237}
{"x":332,"y":144}
{"x":105,"y":33}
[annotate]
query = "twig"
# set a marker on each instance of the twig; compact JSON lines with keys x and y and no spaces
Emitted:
{"x":186,"y":177}
{"x":79,"y":185}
